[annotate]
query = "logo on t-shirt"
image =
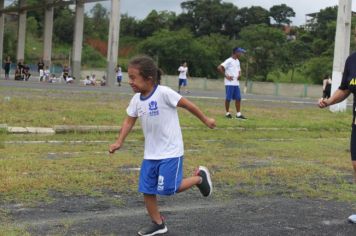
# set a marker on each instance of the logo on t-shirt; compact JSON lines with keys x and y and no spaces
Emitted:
{"x":160,"y":186}
{"x":152,"y":106}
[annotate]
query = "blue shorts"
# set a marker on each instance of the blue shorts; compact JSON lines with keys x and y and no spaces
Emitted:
{"x":119,"y":78}
{"x":161,"y":177}
{"x":232,"y":93}
{"x":182,"y":82}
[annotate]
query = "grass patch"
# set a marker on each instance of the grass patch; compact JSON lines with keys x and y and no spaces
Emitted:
{"x":283,"y":149}
{"x":7,"y":228}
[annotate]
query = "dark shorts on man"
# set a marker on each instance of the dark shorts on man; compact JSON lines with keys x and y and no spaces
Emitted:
{"x":182,"y":82}
{"x":232,"y":93}
{"x":353,"y":142}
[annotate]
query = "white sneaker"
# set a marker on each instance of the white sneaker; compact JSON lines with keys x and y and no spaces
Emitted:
{"x":352,"y":218}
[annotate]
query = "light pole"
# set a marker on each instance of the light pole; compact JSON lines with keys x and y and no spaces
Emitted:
{"x":113,"y":42}
{"x":342,"y":48}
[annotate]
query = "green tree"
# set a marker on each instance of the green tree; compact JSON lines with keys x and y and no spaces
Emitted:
{"x":99,"y":12}
{"x":128,"y":25}
{"x":322,"y":19}
{"x":170,"y":48}
{"x":204,"y":17}
{"x":219,"y":45}
{"x":317,"y":67}
{"x":282,"y":13}
{"x":31,"y":26}
{"x":96,"y":24}
{"x":63,"y":25}
{"x":38,"y":16}
{"x":293,"y":55}
{"x":155,"y":21}
{"x":253,"y":16}
{"x":264,"y":45}
{"x":10,"y":39}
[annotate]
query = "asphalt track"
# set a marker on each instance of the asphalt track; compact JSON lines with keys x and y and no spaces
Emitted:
{"x":190,"y":214}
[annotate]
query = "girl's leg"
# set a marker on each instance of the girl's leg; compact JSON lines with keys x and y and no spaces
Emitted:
{"x":152,"y":208}
{"x":187,"y":183}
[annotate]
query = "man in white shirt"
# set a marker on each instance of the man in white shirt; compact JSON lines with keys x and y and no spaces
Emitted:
{"x":183,"y":75}
{"x":231,"y":69}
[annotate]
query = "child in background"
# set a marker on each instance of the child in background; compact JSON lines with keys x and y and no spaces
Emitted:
{"x":7,"y":67}
{"x":118,"y":74}
{"x":46,"y":73}
{"x":183,"y":77}
{"x":162,"y":167}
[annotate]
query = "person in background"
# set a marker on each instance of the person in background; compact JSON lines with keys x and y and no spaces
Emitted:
{"x":40,"y":67}
{"x":327,"y":86}
{"x":118,"y":71}
{"x":88,"y":81}
{"x":103,"y":81}
{"x":7,"y":65}
{"x":65,"y":73}
{"x":18,"y":73}
{"x":20,"y":66}
{"x":231,"y":69}
{"x":347,"y":86}
{"x":26,"y":72}
{"x":46,"y":73}
{"x":162,"y":167}
{"x":183,"y":77}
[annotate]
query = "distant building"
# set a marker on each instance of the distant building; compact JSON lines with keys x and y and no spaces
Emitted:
{"x":290,"y":32}
{"x":312,"y":19}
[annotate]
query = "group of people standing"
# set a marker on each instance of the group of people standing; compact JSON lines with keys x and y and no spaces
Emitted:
{"x":22,"y":71}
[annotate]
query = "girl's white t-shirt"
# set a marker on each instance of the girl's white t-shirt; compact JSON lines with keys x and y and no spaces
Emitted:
{"x":160,"y":122}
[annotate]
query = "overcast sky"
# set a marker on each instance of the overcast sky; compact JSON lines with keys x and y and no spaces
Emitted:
{"x":140,"y":8}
